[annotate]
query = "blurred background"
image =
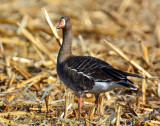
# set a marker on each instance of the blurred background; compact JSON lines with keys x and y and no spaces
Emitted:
{"x":28,"y":70}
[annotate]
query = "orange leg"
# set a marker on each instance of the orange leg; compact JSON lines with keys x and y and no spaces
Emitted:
{"x":79,"y":104}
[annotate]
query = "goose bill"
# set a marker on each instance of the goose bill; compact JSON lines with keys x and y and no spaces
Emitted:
{"x":61,"y":24}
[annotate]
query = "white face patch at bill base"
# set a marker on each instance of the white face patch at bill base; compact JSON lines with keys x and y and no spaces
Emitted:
{"x":63,"y":22}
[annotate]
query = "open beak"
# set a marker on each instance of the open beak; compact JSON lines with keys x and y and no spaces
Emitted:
{"x":61,"y":24}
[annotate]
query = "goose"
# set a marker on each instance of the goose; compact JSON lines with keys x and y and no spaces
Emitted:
{"x":86,"y":74}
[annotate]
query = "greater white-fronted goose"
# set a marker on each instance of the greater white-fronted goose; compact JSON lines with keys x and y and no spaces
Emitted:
{"x":84,"y":73}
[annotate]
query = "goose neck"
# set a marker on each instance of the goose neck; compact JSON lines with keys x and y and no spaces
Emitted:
{"x":66,"y":48}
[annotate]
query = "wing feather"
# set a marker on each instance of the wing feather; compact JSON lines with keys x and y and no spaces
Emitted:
{"x":98,"y":70}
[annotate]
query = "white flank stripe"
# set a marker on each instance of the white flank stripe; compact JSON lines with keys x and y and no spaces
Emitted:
{"x":100,"y":87}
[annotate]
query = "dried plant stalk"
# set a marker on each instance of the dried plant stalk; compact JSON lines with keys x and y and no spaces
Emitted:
{"x":23,"y":72}
{"x":8,"y":66}
{"x":28,"y":81}
{"x":143,"y":90}
{"x":144,"y":51}
{"x":92,"y":112}
{"x":12,"y":79}
{"x":157,"y":32}
{"x":15,"y":41}
{"x":126,"y":58}
{"x":46,"y":101}
{"x":107,"y":95}
{"x":13,"y":113}
{"x":2,"y":50}
{"x":51,"y":26}
{"x":9,"y":122}
{"x":116,"y":17}
{"x":39,"y":52}
{"x":38,"y":44}
{"x":66,"y":105}
{"x":138,"y":101}
{"x":86,"y":120}
{"x":152,"y":123}
{"x":118,"y":116}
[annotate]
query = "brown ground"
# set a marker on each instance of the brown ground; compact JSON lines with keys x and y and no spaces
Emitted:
{"x":28,"y":70}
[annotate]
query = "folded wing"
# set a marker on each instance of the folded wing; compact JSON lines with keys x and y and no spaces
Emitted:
{"x":93,"y":70}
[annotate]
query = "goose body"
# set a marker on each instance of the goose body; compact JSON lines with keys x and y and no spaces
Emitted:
{"x":84,"y":73}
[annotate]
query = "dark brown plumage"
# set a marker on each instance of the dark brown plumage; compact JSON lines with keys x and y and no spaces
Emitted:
{"x":84,"y":73}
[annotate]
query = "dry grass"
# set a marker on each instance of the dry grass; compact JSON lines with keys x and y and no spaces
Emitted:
{"x":125,"y":33}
